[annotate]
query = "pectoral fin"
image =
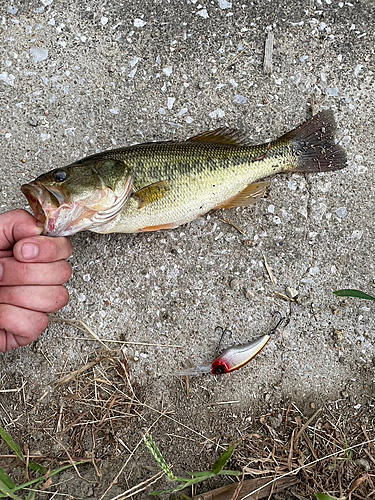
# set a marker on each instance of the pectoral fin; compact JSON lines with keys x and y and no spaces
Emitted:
{"x":151,"y":193}
{"x":249,"y":195}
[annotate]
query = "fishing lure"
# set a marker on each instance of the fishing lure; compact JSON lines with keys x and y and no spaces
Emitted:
{"x":230,"y":359}
{"x":234,"y":357}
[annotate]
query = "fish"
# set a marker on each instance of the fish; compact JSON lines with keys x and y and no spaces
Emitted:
{"x":162,"y":185}
{"x":231,"y":359}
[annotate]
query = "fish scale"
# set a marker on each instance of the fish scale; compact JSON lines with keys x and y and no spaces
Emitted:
{"x":212,"y":174}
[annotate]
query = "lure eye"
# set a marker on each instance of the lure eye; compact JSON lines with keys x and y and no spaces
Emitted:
{"x":60,"y":175}
{"x":219,"y":370}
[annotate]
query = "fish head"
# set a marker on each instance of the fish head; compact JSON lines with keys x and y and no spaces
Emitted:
{"x":82,"y":196}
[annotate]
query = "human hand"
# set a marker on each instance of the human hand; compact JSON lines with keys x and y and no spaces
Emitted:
{"x":32,"y":271}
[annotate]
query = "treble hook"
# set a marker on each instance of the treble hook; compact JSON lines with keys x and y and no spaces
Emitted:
{"x":223,"y":331}
{"x":278,"y":323}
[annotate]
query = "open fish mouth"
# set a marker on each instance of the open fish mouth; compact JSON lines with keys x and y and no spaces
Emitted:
{"x":62,"y":217}
{"x":50,"y":208}
{"x":36,"y":197}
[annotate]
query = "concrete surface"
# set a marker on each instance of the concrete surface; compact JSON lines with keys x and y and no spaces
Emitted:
{"x":80,"y":77}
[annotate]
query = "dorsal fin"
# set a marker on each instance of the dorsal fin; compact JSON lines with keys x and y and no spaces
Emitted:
{"x":223,"y":135}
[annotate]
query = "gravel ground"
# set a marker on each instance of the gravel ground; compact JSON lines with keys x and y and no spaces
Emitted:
{"x":80,"y":77}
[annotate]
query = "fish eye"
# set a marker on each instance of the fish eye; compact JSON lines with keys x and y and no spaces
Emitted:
{"x":60,"y":175}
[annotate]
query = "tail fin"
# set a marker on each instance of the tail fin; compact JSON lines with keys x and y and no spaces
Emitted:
{"x":314,"y":145}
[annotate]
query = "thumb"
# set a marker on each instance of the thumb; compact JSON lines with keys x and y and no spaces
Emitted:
{"x":16,"y":225}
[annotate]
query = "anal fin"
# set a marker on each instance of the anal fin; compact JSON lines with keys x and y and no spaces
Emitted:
{"x":248,"y":196}
{"x":161,"y":227}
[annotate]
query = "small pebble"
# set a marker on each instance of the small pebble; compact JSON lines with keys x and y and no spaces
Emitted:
{"x":363,"y":464}
{"x":217,"y":113}
{"x":240,"y":99}
{"x":203,"y":13}
{"x":341,"y":212}
{"x":33,"y":121}
{"x":338,"y":335}
{"x":171,"y":101}
{"x":167,"y":71}
{"x":332,"y":91}
{"x":139,"y":23}
{"x":292,"y":293}
{"x":39,"y":54}
{"x":235,"y":284}
{"x":8,"y":79}
{"x":223,"y":4}
{"x":249,"y":294}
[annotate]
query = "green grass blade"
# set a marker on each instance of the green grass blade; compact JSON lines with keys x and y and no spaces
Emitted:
{"x":8,"y":492}
{"x":230,"y":473}
{"x":193,"y":481}
{"x":43,"y":478}
{"x":5,"y":479}
{"x":353,"y":293}
{"x":223,"y":460}
{"x":37,"y":468}
{"x":196,"y":474}
{"x":323,"y":496}
{"x":14,"y":446}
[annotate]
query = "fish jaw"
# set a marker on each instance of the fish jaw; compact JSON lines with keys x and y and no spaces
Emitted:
{"x":59,"y":217}
{"x":36,"y":197}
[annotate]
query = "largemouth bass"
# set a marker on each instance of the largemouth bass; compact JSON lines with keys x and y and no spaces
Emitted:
{"x":161,"y":185}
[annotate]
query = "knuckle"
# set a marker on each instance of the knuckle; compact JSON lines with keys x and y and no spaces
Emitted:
{"x":24,"y":272}
{"x":65,"y":244}
{"x":3,"y":316}
{"x":61,"y":248}
{"x":53,"y":249}
{"x":66,"y":271}
{"x":10,"y":295}
{"x":41,"y":323}
{"x":50,"y":248}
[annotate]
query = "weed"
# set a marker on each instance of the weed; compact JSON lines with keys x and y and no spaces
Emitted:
{"x":195,"y":477}
{"x":9,"y":489}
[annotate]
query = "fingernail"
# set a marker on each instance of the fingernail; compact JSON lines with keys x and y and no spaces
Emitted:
{"x":30,"y":251}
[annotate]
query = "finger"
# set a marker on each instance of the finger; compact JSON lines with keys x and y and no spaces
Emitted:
{"x":9,"y":341}
{"x":22,"y":326}
{"x":37,"y":298}
{"x":42,"y":249}
{"x":15,"y":225}
{"x":13,"y":273}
